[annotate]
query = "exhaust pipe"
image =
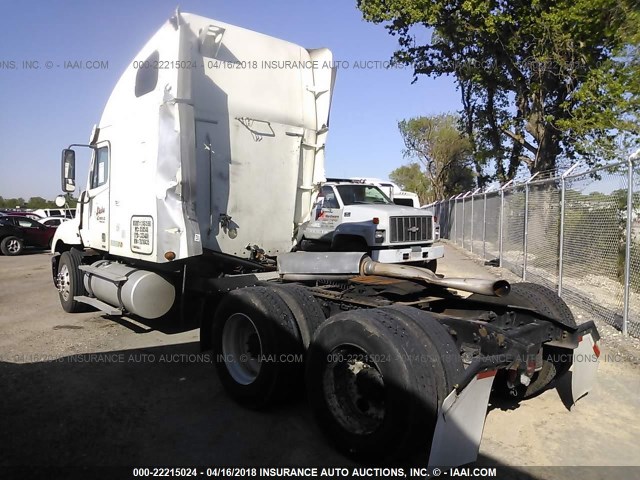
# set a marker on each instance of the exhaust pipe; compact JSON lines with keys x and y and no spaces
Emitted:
{"x":302,"y":266}
{"x":498,"y":288}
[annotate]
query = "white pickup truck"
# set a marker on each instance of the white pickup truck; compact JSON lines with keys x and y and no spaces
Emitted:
{"x":355,"y":216}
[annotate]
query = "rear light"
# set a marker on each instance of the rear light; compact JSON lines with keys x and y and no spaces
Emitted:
{"x":376,"y":220}
{"x":435,"y":218}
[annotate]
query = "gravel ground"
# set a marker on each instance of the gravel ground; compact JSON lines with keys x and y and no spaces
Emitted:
{"x":92,"y":390}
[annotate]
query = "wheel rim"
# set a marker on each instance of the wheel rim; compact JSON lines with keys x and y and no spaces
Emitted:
{"x":13,"y":245}
{"x":242,"y":348}
{"x":63,"y":281}
{"x":354,"y":390}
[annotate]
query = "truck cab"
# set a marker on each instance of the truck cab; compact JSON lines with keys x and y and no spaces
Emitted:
{"x":408,"y":199}
{"x":193,"y":129}
{"x":358,"y":216}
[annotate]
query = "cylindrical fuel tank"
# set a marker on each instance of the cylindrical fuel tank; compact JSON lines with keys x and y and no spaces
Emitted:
{"x":144,"y":293}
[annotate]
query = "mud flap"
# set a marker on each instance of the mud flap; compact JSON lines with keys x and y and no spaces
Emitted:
{"x":456,"y":439}
{"x":585,"y":367}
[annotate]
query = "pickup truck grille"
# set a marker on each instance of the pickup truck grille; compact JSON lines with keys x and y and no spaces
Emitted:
{"x":411,"y":229}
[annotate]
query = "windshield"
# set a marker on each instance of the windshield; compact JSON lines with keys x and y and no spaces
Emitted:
{"x":357,"y":194}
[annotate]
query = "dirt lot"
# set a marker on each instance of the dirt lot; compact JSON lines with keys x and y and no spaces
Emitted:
{"x":91,"y":390}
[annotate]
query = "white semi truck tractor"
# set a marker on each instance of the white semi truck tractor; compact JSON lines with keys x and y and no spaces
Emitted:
{"x":207,"y":159}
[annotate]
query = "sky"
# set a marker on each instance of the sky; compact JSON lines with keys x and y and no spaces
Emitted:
{"x":44,"y":109}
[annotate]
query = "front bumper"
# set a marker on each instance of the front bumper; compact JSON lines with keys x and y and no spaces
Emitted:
{"x":403,"y":254}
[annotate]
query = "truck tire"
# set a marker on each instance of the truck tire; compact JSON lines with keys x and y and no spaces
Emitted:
{"x":443,"y":348}
{"x":305,"y":308}
{"x":431,"y":265}
{"x":369,"y":388}
{"x":257,"y":347}
{"x":11,"y":245}
{"x":556,"y":361}
{"x":69,"y":282}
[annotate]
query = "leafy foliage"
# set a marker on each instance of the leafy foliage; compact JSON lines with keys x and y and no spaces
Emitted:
{"x":33,"y":202}
{"x":541,"y":81}
{"x":412,"y":179}
{"x":437,"y":144}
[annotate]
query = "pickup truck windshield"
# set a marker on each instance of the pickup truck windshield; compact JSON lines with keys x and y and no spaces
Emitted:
{"x":356,"y":194}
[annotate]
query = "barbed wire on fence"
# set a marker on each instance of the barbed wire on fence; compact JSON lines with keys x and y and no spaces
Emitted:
{"x":577,"y":233}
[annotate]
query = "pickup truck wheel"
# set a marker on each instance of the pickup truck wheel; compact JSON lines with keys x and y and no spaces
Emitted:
{"x":351,"y":245}
{"x":431,"y":265}
{"x":369,"y":387}
{"x":556,"y":361}
{"x":11,"y":246}
{"x":304,"y":307}
{"x":69,"y":282}
{"x":256,"y":346}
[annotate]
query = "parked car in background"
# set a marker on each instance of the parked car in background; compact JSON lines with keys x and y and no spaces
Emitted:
{"x":52,"y":221}
{"x":56,"y":212}
{"x":10,"y":237}
{"x":19,"y":232}
{"x":22,"y":213}
{"x":393,"y":191}
{"x":408,"y":199}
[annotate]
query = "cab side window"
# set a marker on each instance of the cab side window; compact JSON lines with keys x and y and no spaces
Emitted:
{"x":330,"y":200}
{"x":147,"y":75}
{"x":100,"y":173}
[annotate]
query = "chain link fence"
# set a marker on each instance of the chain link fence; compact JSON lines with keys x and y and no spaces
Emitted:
{"x":578,"y":233}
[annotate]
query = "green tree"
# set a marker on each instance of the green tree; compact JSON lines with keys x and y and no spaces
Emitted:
{"x":540,"y":81}
{"x":38,"y":202}
{"x":72,"y":201}
{"x":438,"y":145}
{"x":412,"y":179}
{"x":12,"y":202}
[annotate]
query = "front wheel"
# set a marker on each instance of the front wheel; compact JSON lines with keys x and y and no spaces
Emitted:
{"x":69,"y":282}
{"x":431,"y":265}
{"x":11,"y":246}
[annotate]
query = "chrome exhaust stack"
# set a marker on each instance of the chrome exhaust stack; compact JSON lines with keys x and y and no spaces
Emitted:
{"x":494,"y":288}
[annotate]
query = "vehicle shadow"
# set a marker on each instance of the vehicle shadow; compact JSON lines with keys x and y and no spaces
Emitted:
{"x":151,"y":406}
{"x":32,"y":251}
{"x":159,"y":406}
{"x":562,"y":385}
{"x":167,"y":324}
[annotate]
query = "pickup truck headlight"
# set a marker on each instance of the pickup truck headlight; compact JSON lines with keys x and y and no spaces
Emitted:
{"x":379,"y":236}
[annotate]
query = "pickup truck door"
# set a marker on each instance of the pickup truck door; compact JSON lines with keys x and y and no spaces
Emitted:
{"x":329,"y":211}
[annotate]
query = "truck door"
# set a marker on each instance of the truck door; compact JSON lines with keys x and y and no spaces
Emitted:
{"x":95,"y":232}
{"x":328,"y":211}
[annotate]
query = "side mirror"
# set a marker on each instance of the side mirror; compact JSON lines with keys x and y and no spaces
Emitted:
{"x":60,"y":201}
{"x":68,"y":170}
